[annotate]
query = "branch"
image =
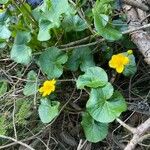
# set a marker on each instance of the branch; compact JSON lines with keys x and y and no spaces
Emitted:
{"x":137,"y":133}
{"x":136,"y":29}
{"x":136,"y":4}
{"x":76,"y":42}
{"x":140,"y":38}
{"x":18,"y":142}
{"x":132,"y":130}
{"x":137,"y":136}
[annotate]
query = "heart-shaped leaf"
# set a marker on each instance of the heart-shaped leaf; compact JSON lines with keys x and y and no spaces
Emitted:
{"x":103,"y":109}
{"x":48,"y":110}
{"x":49,"y":15}
{"x":102,"y":22}
{"x":94,"y":131}
{"x":4,"y":32}
{"x":73,"y":23}
{"x":108,"y":32}
{"x":21,"y":53}
{"x":44,"y":30}
{"x":51,"y":62}
{"x":80,"y":57}
{"x":94,"y":77}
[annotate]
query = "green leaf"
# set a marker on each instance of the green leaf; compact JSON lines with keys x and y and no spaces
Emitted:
{"x":49,"y":16}
{"x":56,"y":9}
{"x":94,"y":77}
{"x":22,"y":37}
{"x":3,"y":1}
{"x":46,"y":5}
{"x":3,"y":87}
{"x":31,"y":85}
{"x":4,"y":32}
{"x":102,"y":22}
{"x":103,"y":7}
{"x":108,"y":32}
{"x":130,"y":69}
{"x":51,"y":62}
{"x":21,"y":53}
{"x":48,"y":110}
{"x":103,"y":109}
{"x":104,"y":19}
{"x":94,"y":131}
{"x":73,"y":23}
{"x":44,"y":30}
{"x":80,"y":57}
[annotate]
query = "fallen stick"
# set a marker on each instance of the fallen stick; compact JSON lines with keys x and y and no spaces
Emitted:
{"x":136,"y":4}
{"x":140,"y":37}
{"x":16,"y":141}
{"x":138,"y":135}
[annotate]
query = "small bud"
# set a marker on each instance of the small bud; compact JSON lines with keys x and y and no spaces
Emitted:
{"x":130,"y":52}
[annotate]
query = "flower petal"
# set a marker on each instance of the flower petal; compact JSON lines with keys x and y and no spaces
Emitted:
{"x":120,"y":69}
{"x":46,"y":83}
{"x":44,"y":94}
{"x":53,"y":81}
{"x":126,"y":60}
{"x":111,"y":64}
{"x":41,"y":89}
{"x":48,"y":87}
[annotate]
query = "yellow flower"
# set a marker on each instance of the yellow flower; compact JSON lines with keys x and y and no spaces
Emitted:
{"x":130,"y":52}
{"x":118,"y":62}
{"x":48,"y":87}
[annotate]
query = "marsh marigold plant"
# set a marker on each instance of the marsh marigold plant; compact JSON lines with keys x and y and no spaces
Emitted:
{"x":48,"y":87}
{"x":118,"y":62}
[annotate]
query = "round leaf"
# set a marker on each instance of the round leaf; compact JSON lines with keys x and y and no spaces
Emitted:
{"x":94,"y":131}
{"x":80,"y":57}
{"x":94,"y":77}
{"x":103,"y":109}
{"x":108,"y":32}
{"x":102,"y":22}
{"x":51,"y":62}
{"x":21,"y":54}
{"x":44,"y":30}
{"x":22,"y":38}
{"x":4,"y":32}
{"x":73,"y":23}
{"x":48,"y":110}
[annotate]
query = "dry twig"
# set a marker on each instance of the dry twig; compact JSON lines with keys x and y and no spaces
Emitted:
{"x":136,"y":4}
{"x":17,"y":142}
{"x":140,"y":130}
{"x":138,"y":133}
{"x":140,"y":38}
